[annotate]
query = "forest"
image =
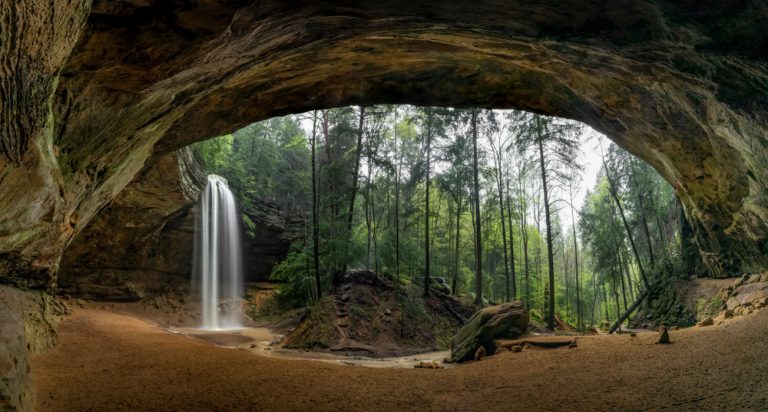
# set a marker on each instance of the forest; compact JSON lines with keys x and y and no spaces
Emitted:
{"x":487,"y":205}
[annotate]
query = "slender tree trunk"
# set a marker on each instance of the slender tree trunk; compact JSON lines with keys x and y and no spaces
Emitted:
{"x":606,"y":304}
{"x":368,"y":212}
{"x":594,"y":303}
{"x":568,"y":301}
{"x":623,"y":286}
{"x":426,"y":212}
{"x":615,"y":294}
{"x":315,"y":207}
{"x":353,"y":194}
{"x":614,"y":194}
{"x":458,"y":242}
{"x":524,"y":241}
{"x":478,"y":244}
{"x":550,"y":257}
{"x":503,"y":225}
{"x":643,"y":220}
{"x":656,"y":217}
{"x":579,"y":323}
{"x":632,"y":291}
{"x":397,"y":204}
{"x":511,"y":243}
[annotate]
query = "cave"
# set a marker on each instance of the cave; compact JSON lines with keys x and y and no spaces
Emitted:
{"x":101,"y":99}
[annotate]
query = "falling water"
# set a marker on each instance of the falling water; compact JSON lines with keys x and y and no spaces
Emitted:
{"x":218,"y":272}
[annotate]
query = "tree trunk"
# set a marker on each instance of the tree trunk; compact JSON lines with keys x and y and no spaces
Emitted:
{"x":478,"y":244}
{"x":426,"y":211}
{"x":643,"y":221}
{"x":550,"y":257}
{"x":503,"y":223}
{"x":397,"y":205}
{"x":628,"y":312}
{"x":368,"y":212}
{"x":458,"y":242}
{"x":579,"y":323}
{"x":511,"y":243}
{"x":616,"y":294}
{"x":621,"y":275}
{"x":351,"y":210}
{"x":524,"y":241}
{"x":315,"y":206}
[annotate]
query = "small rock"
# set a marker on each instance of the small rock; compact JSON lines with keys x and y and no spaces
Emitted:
{"x":516,"y":348}
{"x":277,"y":339}
{"x":387,"y":312}
{"x":480,"y":353}
{"x":253,"y":345}
{"x":572,"y":345}
{"x":80,"y":303}
{"x":632,"y":334}
{"x":427,"y":365}
{"x":663,"y":336}
{"x":708,"y":321}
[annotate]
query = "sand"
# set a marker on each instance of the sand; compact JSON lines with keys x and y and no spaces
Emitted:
{"x":108,"y":362}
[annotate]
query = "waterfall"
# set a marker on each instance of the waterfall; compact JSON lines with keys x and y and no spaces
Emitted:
{"x":218,"y":266}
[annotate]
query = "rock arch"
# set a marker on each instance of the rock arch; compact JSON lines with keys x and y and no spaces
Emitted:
{"x":94,"y":92}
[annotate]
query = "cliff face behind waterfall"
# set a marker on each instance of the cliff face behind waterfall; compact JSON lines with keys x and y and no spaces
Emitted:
{"x":142,"y":243}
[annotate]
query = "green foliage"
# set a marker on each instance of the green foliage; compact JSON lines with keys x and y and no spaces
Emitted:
{"x":294,"y":272}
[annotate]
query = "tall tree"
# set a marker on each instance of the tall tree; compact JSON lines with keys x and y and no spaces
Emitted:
{"x":429,"y":126}
{"x":315,"y":209}
{"x":579,"y":323}
{"x":556,"y":141}
{"x":498,"y":143}
{"x":476,"y":198}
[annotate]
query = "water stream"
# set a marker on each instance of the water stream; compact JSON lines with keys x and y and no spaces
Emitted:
{"x":218,"y":275}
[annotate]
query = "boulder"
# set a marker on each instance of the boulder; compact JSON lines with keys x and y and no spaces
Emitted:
{"x":508,"y":320}
{"x":708,"y":321}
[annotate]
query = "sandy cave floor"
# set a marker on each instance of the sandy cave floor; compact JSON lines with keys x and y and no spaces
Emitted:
{"x":106,"y":361}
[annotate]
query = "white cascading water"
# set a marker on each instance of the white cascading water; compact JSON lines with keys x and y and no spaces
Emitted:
{"x":218,"y":266}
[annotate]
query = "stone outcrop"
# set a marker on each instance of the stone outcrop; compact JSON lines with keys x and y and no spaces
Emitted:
{"x":506,"y":321}
{"x":28,"y":324}
{"x":273,"y":232}
{"x":93,"y":91}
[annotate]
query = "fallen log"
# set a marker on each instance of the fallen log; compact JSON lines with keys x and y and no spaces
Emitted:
{"x":631,"y":309}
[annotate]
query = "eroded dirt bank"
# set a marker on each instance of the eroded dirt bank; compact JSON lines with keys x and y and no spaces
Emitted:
{"x":107,"y":361}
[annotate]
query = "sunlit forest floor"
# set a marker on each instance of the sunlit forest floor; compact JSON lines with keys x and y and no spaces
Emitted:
{"x":109,"y":361}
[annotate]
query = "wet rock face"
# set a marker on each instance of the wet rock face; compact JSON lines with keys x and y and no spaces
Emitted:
{"x":107,"y":89}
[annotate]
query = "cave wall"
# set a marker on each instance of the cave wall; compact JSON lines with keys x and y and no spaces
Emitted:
{"x":94,"y":92}
{"x":142,"y":242}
